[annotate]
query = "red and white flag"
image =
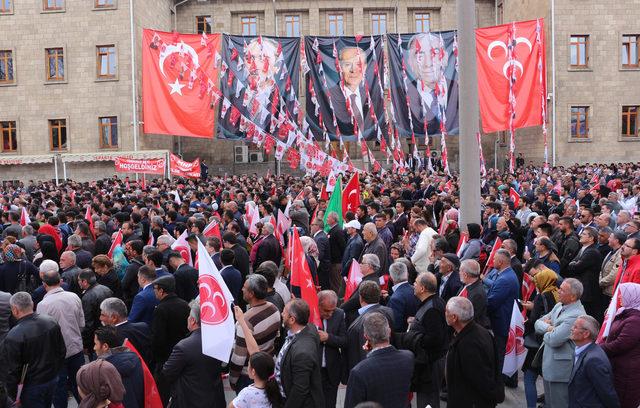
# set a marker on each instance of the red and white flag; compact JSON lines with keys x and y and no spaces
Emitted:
{"x":216,"y":317}
{"x":282,"y":226}
{"x":301,"y":277}
{"x":24,"y":217}
{"x":152,"y":239}
{"x":116,"y":243}
{"x":181,"y":245}
{"x":351,"y":195}
{"x":87,"y":216}
{"x":515,"y":352}
{"x":151,"y":393}
{"x":253,"y":216}
{"x":212,"y":230}
{"x":353,"y":279}
{"x":609,"y":316}
{"x":464,"y":238}
{"x":514,"y":196}
{"x":496,"y":246}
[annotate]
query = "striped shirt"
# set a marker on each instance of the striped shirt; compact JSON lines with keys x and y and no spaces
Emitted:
{"x":264,"y":321}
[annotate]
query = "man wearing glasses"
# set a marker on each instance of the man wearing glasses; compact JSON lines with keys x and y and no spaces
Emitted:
{"x":630,"y":268}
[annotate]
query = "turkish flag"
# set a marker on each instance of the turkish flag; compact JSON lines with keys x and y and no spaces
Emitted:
{"x":212,"y":230}
{"x":494,"y":71}
{"x":116,"y":243}
{"x":178,"y":83}
{"x":496,"y":245}
{"x":151,"y":394}
{"x":514,"y":196}
{"x":351,"y":195}
{"x":24,"y":217}
{"x":87,"y":216}
{"x":301,"y":276}
{"x":353,"y":279}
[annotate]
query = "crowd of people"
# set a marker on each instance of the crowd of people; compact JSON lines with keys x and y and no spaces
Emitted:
{"x":95,"y":304}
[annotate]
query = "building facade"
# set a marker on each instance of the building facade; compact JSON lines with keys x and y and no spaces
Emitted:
{"x":68,"y":92}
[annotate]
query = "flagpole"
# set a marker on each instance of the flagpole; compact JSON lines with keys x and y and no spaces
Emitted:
{"x":469,"y":115}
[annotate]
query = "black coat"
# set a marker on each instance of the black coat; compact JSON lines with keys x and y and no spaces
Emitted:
{"x":478,"y":298}
{"x":337,"y":243}
{"x":186,"y":282}
{"x":268,"y":250}
{"x":451,"y":286}
{"x":516,"y":265}
{"x":130,"y":285}
{"x":383,"y":377}
{"x":324,"y":258}
{"x":591,"y":382}
{"x":110,"y":280}
{"x":241,"y":261}
{"x":194,"y":378}
{"x":91,"y":300}
{"x":586,"y":268}
{"x":352,"y":305}
{"x":139,"y":335}
{"x":300,"y":371}
{"x":473,"y":379}
{"x":130,"y":370}
{"x":333,"y":347}
{"x":169,"y":326}
{"x":103,"y":244}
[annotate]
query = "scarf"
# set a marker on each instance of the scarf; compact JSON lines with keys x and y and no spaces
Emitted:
{"x":545,"y":281}
{"x":630,"y":296}
{"x":99,"y":381}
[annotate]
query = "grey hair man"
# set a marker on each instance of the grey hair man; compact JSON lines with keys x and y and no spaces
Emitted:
{"x":375,"y":245}
{"x":474,"y":291}
{"x":103,"y":240}
{"x":369,"y":267}
{"x":70,"y":271}
{"x":333,"y":339}
{"x":28,"y":241}
{"x":83,"y":257}
{"x":403,"y":302}
{"x":555,"y":327}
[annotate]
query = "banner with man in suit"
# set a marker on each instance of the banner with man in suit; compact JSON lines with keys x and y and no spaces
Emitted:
{"x":259,"y":84}
{"x":345,"y":100}
{"x":424,"y":83}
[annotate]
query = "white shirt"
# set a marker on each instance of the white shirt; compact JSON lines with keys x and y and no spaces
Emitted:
{"x":580,"y":350}
{"x":348,"y":92}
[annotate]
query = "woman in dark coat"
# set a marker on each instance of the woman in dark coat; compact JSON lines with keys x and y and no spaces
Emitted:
{"x":623,"y":346}
{"x":16,"y":273}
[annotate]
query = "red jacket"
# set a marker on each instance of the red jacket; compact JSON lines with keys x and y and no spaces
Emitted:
{"x":631,"y":271}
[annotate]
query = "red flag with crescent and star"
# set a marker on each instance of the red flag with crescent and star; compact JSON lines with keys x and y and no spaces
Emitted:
{"x":495,"y":68}
{"x":301,"y":276}
{"x":179,"y":74}
{"x":351,"y":195}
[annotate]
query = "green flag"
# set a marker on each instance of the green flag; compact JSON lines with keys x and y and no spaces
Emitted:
{"x":335,"y":204}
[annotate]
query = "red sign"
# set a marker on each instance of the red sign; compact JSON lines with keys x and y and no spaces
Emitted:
{"x":150,"y":166}
{"x":183,"y":168}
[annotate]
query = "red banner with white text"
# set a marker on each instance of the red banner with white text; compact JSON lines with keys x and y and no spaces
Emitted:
{"x":183,"y":168}
{"x":148,"y":166}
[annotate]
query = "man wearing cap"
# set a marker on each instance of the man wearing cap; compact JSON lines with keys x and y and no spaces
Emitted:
{"x":354,"y":245}
{"x":448,"y":277}
{"x":169,"y":324}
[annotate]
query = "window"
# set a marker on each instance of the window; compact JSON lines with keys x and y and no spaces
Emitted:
{"x":6,"y":67}
{"x":500,"y":13}
{"x":55,"y":64}
{"x":249,"y":25}
{"x":108,"y":132}
{"x":629,"y":51}
{"x":5,"y":6}
{"x":579,"y":51}
{"x":8,"y":134}
{"x":580,"y":122}
{"x":292,"y":25}
{"x":52,"y":5}
{"x":104,"y":3}
{"x":336,"y":24}
{"x":378,"y":23}
{"x":107,"y":61}
{"x":423,"y":22}
{"x":58,"y":134}
{"x":203,"y":24}
{"x":630,"y":121}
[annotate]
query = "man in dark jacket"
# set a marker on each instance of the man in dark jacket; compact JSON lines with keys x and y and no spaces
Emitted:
{"x":92,"y":296}
{"x":298,"y":366}
{"x":354,"y":245}
{"x":324,"y":253}
{"x":186,"y":277}
{"x":569,"y":245}
{"x":375,"y":245}
{"x":108,"y":347}
{"x":403,"y":301}
{"x":384,"y":376}
{"x":169,"y":325}
{"x":333,"y":339}
{"x":473,"y":376}
{"x":130,"y":287}
{"x":473,"y":290}
{"x":145,"y":301}
{"x":448,"y":277}
{"x":103,"y":241}
{"x":269,"y":248}
{"x":194,"y":378}
{"x":337,"y":245}
{"x":241,"y":260}
{"x":369,"y":268}
{"x":427,"y":338}
{"x":231,"y":276}
{"x":35,"y":347}
{"x":586,"y":268}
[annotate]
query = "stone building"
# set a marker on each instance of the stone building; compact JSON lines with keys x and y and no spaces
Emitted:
{"x":68,"y":92}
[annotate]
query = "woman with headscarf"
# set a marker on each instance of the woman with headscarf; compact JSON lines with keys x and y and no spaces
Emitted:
{"x":311,"y":252}
{"x":547,"y":296}
{"x":100,"y":385}
{"x":623,"y":346}
{"x":16,"y":273}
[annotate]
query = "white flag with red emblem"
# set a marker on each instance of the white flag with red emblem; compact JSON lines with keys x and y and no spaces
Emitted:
{"x":24,"y":217}
{"x":116,"y":243}
{"x":216,"y":317}
{"x":515,"y":352}
{"x":181,"y":245}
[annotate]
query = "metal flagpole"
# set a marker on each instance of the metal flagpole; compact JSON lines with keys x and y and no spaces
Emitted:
{"x":469,"y":115}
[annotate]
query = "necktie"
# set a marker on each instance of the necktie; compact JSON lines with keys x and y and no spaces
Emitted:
{"x":324,"y":359}
{"x":356,"y":112}
{"x":283,"y":352}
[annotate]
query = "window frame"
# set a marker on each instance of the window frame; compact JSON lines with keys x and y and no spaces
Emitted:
{"x":249,"y":24}
{"x":51,"y":128}
{"x":13,"y":81}
{"x":108,"y":77}
{"x":296,"y":19}
{"x":108,"y":126}
{"x":588,"y":113}
{"x":112,"y":6}
{"x":380,"y":18}
{"x":8,"y":10}
{"x":627,"y":50}
{"x":47,"y":57}
{"x":421,"y":20}
{"x":47,"y":9}
{"x":339,"y":21}
{"x":587,"y":46}
{"x":8,"y":130}
{"x":199,"y":22}
{"x":629,"y":137}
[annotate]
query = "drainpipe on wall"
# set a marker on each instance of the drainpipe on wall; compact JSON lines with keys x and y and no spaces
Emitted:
{"x":174,"y":10}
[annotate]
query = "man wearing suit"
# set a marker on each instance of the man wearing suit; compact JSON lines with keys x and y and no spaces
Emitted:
{"x":500,"y":297}
{"x":448,"y":277}
{"x":369,"y":267}
{"x":473,"y":290}
{"x":610,"y":266}
{"x":591,"y":381}
{"x":557,"y":358}
{"x":298,"y":366}
{"x":269,"y":248}
{"x":231,"y":276}
{"x":194,"y":378}
{"x":241,"y":259}
{"x":113,"y":312}
{"x":384,"y":376}
{"x":376,"y":246}
{"x":337,"y":245}
{"x":324,"y":253}
{"x":186,"y":277}
{"x":354,"y":246}
{"x":403,"y":301}
{"x":400,"y":221}
{"x":586,"y":268}
{"x":333,"y":337}
{"x":369,"y":296}
{"x":145,"y":301}
{"x":511,"y":246}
